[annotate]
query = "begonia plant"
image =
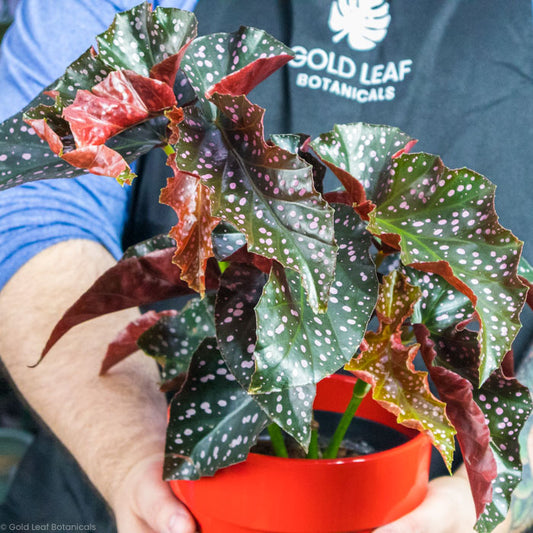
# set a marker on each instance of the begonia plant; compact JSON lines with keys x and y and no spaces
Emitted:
{"x":288,"y":284}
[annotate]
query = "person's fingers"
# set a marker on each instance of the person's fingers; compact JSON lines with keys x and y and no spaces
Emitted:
{"x":147,"y":505}
{"x":447,"y":508}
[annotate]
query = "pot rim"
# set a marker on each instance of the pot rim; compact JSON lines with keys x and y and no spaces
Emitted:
{"x":416,"y":439}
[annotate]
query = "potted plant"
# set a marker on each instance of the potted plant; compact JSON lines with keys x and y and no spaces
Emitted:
{"x":407,"y":257}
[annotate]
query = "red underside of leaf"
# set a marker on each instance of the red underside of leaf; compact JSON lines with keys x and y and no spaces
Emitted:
{"x":123,"y":99}
{"x":190,"y":200}
{"x":364,"y":208}
{"x":131,"y":282}
{"x":392,"y":240}
{"x":166,"y":70}
{"x":100,"y":160}
{"x":354,"y":189}
{"x":175,"y":115}
{"x":125,"y":343}
{"x":338,"y":197}
{"x":406,"y":149}
{"x":243,"y":256}
{"x":46,"y":133}
{"x":443,"y":269}
{"x":245,"y":79}
{"x":472,"y":431}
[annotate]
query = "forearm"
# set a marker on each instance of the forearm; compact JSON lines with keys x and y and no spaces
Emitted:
{"x":80,"y":407}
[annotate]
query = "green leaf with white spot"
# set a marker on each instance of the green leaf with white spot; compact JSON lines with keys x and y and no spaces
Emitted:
{"x":150,"y":43}
{"x":296,"y":346}
{"x":174,"y":339}
{"x":226,"y":241}
{"x":444,"y":222}
{"x":506,"y":405}
{"x":213,"y":422}
{"x":299,"y":144}
{"x":387,"y":364}
{"x":240,"y":290}
{"x":261,"y":190}
{"x":232,"y":63}
{"x":360,"y":155}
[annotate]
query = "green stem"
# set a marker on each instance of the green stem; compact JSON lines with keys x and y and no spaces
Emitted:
{"x":313,"y":444}
{"x":278,"y":443}
{"x":359,"y":392}
{"x":168,"y":149}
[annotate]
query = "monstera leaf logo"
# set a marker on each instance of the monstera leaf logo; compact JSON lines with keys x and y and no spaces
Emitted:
{"x":363,"y":22}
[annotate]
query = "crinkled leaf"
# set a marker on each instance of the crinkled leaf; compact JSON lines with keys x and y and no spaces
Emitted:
{"x":444,"y":222}
{"x":489,"y":445}
{"x":174,"y":339}
{"x":296,"y":346}
{"x":261,"y":190}
{"x":240,"y":290}
{"x":122,"y":99}
{"x":226,"y":241}
{"x":132,"y":282}
{"x":299,"y":144}
{"x":190,"y":200}
{"x":359,"y":155}
{"x":150,"y":43}
{"x":473,"y":433}
{"x":125,"y":343}
{"x":387,"y":364}
{"x":213,"y":421}
{"x":232,"y":63}
{"x":24,"y":157}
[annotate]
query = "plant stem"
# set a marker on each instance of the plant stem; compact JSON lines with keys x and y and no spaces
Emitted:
{"x":359,"y":392}
{"x":168,"y":149}
{"x":313,"y":444}
{"x":278,"y":443}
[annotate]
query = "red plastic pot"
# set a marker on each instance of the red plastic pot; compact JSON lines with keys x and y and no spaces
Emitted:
{"x":274,"y":495}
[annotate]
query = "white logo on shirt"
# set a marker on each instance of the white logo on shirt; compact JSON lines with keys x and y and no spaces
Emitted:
{"x":363,"y":22}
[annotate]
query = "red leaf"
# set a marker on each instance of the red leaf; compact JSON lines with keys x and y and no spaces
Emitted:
{"x":132,"y":282}
{"x":166,"y":70}
{"x":123,"y":99}
{"x":443,"y":269}
{"x":125,"y":343}
{"x":468,"y":419}
{"x":43,"y":129}
{"x":100,"y":160}
{"x":244,"y":80}
{"x":175,"y":115}
{"x":190,"y":200}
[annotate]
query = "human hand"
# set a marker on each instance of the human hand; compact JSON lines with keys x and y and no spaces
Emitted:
{"x":447,"y":508}
{"x":145,"y":503}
